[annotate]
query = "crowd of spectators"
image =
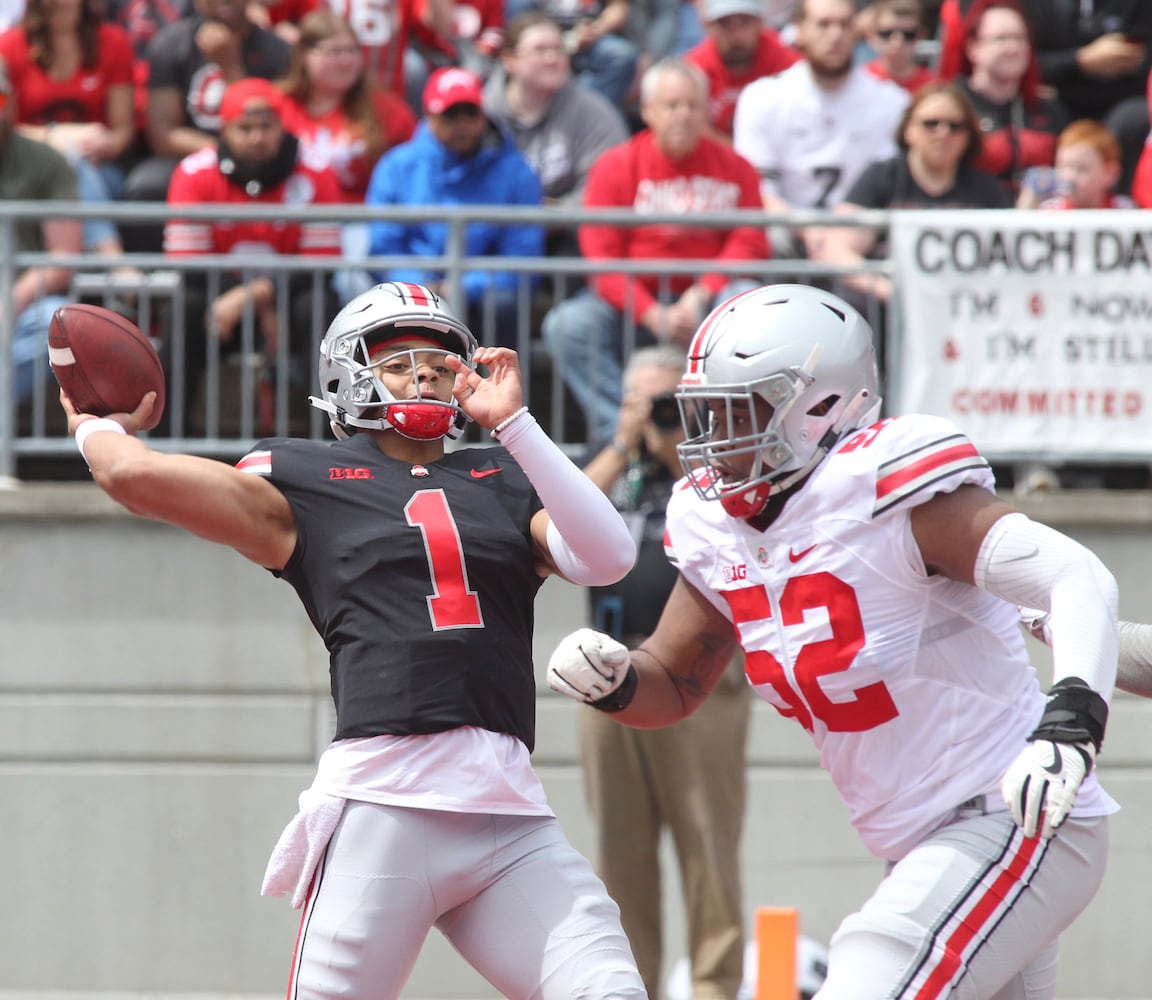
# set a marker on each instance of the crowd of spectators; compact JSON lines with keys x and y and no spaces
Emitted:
{"x":822,"y":102}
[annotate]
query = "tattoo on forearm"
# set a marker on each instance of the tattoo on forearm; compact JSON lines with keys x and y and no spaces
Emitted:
{"x":693,"y":682}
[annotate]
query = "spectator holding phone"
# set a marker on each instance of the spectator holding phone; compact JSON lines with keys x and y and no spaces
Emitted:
{"x":1085,"y":176}
{"x":1086,"y":172}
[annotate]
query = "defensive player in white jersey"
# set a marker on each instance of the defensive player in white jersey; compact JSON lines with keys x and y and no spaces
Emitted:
{"x":812,"y":129}
{"x":872,"y":577}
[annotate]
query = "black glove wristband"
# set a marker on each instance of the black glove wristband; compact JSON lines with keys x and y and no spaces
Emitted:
{"x":621,"y":698}
{"x":1075,"y":714}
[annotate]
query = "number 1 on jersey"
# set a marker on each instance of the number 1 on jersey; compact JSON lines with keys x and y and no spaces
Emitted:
{"x":452,"y":603}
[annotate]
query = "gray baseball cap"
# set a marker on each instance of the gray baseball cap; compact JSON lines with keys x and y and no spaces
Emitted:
{"x":713,"y":10}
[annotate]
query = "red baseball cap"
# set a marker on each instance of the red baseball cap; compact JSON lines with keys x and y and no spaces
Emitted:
{"x":450,"y":86}
{"x":253,"y":89}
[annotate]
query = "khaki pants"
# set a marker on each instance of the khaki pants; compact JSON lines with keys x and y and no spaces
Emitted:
{"x":690,"y":779}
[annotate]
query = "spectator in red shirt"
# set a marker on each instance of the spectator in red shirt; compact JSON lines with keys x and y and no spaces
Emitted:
{"x":1000,"y":75}
{"x":72,"y":80}
{"x":671,"y":167}
{"x":255,"y":162}
{"x":894,"y":28}
{"x":738,"y":49}
{"x":342,"y":120}
{"x":190,"y":62}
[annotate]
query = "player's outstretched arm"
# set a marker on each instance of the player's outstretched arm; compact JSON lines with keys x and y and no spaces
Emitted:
{"x":204,"y":496}
{"x":664,"y":680}
{"x":1005,"y":552}
{"x":1135,"y":672}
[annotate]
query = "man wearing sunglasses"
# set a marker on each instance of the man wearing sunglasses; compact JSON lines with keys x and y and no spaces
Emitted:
{"x":894,"y":28}
{"x":689,"y":777}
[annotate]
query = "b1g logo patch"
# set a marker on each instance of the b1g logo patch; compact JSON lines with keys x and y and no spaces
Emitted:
{"x":733,"y":574}
{"x":361,"y":473}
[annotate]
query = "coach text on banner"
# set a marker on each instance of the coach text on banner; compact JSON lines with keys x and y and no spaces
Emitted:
{"x":1031,"y":330}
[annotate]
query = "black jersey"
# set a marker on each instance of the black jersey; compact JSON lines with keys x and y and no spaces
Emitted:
{"x":420,"y":580}
{"x":890,"y":184}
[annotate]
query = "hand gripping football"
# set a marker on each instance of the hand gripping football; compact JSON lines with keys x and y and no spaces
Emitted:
{"x":103,"y":362}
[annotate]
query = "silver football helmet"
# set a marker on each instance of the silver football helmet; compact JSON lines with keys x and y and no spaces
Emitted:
{"x":351,"y":393}
{"x":775,"y":378}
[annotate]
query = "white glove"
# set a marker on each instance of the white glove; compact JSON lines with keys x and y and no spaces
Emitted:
{"x":1045,"y":778}
{"x":588,"y":665}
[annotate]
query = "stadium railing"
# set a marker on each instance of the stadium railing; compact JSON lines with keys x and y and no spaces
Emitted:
{"x":233,"y":408}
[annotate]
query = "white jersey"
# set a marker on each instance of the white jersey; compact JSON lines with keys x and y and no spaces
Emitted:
{"x":810,"y":144}
{"x":916,"y":689}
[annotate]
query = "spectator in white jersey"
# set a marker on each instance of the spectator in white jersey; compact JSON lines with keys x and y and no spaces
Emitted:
{"x":874,"y":578}
{"x":812,"y":129}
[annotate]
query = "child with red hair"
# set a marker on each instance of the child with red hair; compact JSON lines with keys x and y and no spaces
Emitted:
{"x":1086,"y":172}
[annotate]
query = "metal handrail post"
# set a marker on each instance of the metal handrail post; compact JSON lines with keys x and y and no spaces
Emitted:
{"x":455,"y":250}
{"x":7,"y":337}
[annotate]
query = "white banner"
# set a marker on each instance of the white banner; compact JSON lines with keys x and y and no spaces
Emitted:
{"x":1032,"y":331}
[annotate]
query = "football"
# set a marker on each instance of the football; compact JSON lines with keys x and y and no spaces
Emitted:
{"x":103,"y":362}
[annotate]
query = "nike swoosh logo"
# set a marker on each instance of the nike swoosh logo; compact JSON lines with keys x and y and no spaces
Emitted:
{"x":1027,"y":555}
{"x":797,"y":556}
{"x":481,"y":473}
{"x":1057,"y":764}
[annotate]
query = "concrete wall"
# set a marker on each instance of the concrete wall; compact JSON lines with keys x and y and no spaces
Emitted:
{"x":161,"y":706}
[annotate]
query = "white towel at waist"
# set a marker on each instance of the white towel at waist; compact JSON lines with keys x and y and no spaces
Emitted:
{"x":301,"y":846}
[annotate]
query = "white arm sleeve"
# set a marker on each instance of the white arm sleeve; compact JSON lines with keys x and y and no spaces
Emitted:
{"x":588,"y":539}
{"x":1034,"y":566}
{"x":1135,"y":674}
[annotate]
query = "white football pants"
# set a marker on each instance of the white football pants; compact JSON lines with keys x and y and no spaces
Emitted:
{"x":510,"y":893}
{"x":972,"y":913}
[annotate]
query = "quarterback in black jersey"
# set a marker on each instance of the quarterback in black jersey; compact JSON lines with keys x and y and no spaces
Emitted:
{"x":418,"y":568}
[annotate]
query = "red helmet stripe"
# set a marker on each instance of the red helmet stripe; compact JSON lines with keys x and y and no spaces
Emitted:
{"x":696,"y":349}
{"x":417,"y":293}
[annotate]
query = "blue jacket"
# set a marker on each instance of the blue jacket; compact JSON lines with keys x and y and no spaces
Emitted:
{"x":422,"y":172}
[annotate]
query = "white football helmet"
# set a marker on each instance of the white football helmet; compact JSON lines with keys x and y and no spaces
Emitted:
{"x":351,"y":393}
{"x":805,"y":353}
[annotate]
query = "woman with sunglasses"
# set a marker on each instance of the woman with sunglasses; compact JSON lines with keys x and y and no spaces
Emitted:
{"x":940,"y":141}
